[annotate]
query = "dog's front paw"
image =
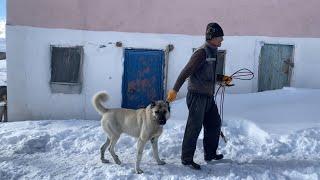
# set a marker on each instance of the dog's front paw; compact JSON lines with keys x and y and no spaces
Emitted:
{"x":139,"y":171}
{"x":161,"y":162}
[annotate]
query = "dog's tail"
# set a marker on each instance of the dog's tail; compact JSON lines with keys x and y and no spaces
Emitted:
{"x":97,"y":102}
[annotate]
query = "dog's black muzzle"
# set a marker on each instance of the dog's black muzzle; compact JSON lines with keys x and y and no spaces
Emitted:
{"x":162,"y":121}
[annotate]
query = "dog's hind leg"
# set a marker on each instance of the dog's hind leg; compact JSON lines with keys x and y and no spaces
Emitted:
{"x":103,"y":150}
{"x":113,"y":142}
{"x":141,"y":144}
{"x":154,"y":142}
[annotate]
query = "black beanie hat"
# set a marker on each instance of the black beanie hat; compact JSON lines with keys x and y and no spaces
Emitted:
{"x":213,"y":30}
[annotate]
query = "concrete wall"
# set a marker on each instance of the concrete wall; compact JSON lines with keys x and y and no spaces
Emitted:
{"x":278,"y":18}
{"x":28,"y":55}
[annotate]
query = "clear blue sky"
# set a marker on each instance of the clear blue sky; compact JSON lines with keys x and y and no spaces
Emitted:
{"x":3,"y":9}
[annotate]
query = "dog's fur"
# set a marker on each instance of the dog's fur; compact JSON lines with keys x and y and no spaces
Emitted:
{"x":144,"y":124}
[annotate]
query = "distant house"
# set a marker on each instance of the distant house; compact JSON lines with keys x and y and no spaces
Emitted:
{"x":62,"y":52}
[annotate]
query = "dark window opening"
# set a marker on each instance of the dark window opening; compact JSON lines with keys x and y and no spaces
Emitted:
{"x":66,"y":66}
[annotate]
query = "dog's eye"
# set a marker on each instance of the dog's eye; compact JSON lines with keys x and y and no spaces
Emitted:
{"x":157,"y":112}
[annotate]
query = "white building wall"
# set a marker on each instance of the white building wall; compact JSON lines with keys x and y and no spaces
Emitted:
{"x":28,"y":55}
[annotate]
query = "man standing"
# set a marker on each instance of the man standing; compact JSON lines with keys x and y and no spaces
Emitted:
{"x":201,"y":71}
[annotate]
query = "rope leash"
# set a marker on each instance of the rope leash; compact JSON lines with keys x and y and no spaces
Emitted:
{"x":241,"y":74}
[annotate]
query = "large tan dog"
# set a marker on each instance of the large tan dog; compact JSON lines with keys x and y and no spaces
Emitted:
{"x":144,"y":124}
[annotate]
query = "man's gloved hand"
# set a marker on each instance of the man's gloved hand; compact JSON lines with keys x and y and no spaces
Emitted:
{"x":172,"y":95}
{"x":227,"y":80}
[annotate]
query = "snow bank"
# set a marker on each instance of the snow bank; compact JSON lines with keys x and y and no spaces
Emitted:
{"x":70,"y":149}
{"x":279,"y":112}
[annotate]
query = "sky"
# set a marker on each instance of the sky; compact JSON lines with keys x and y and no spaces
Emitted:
{"x":3,"y":9}
{"x":2,"y":19}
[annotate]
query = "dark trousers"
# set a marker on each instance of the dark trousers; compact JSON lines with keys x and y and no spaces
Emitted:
{"x":202,"y":111}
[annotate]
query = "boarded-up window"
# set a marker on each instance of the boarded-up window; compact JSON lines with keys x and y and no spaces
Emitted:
{"x":66,"y":66}
{"x":2,"y":55}
{"x":220,"y":62}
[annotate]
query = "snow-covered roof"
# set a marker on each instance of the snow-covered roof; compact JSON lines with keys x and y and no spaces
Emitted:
{"x":2,"y":35}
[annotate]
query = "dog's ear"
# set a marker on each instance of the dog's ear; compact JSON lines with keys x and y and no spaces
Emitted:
{"x":153,"y":104}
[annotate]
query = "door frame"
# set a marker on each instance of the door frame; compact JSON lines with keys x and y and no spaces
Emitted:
{"x":166,"y":52}
{"x":257,"y":55}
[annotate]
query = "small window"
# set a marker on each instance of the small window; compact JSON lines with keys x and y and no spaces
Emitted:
{"x":66,"y":69}
{"x":2,"y":55}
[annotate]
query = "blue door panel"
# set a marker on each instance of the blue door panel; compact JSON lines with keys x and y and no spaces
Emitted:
{"x":274,"y":66}
{"x":143,"y":77}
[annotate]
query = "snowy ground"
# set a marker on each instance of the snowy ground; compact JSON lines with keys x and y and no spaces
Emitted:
{"x":272,"y":135}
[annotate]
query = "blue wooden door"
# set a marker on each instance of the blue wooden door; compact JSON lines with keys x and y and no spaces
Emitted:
{"x":275,"y":66}
{"x":143,"y":77}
